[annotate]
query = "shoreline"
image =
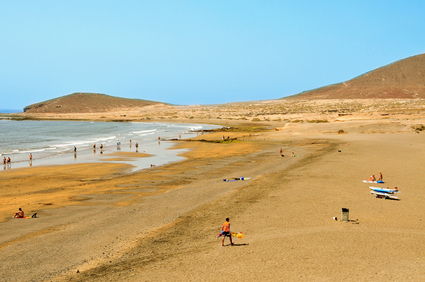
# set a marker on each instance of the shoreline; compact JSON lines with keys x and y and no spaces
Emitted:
{"x":135,"y":226}
{"x":61,"y":153}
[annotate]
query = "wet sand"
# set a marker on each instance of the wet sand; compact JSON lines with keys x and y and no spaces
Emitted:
{"x":161,"y":224}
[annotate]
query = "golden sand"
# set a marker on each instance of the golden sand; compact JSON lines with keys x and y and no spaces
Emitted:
{"x":99,"y":223}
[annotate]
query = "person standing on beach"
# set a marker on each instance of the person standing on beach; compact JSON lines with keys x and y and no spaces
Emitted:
{"x":225,"y":230}
{"x":9,"y":161}
{"x":280,"y":151}
{"x":4,"y":160}
{"x":380,"y":176}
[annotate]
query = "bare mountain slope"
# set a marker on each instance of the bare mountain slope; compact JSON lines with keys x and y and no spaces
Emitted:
{"x":87,"y":103}
{"x":402,"y":79}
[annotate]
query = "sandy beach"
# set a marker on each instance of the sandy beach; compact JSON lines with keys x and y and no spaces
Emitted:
{"x":98,"y":222}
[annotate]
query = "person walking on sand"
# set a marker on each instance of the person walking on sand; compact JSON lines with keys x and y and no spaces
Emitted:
{"x":19,"y":214}
{"x":225,"y":230}
{"x":380,"y":176}
{"x":280,"y":151}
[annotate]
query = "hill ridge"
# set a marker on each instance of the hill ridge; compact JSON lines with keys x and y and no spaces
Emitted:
{"x":404,"y":79}
{"x":84,"y":102}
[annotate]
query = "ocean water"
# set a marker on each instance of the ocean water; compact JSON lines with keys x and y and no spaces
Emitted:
{"x":52,"y":142}
{"x":10,"y":111}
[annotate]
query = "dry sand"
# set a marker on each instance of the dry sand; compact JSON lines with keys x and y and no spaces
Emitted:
{"x":161,"y":224}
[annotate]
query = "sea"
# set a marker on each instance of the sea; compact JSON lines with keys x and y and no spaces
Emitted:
{"x":53,"y":142}
{"x":10,"y":111}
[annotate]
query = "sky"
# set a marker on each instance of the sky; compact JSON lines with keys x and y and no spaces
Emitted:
{"x":197,"y":52}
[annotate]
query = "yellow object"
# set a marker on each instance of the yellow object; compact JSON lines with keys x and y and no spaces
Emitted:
{"x":240,"y":235}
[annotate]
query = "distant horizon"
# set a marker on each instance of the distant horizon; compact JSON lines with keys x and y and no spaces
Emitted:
{"x":11,"y":111}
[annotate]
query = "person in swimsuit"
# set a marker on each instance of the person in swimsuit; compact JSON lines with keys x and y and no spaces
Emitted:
{"x":19,"y":214}
{"x":225,"y":230}
{"x":372,"y":178}
{"x":380,"y":176}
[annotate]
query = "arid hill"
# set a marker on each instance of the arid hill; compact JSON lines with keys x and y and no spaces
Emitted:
{"x":404,"y":79}
{"x":87,"y":103}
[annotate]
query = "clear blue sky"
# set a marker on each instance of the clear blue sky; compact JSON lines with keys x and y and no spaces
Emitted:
{"x":197,"y":52}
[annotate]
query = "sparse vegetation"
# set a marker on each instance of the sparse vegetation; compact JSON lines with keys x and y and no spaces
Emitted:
{"x":318,"y":121}
{"x":418,"y":127}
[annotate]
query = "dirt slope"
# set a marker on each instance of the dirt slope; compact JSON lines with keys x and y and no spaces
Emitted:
{"x":87,"y":103}
{"x":402,"y":79}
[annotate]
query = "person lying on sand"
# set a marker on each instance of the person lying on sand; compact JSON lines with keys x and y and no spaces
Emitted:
{"x":19,"y":214}
{"x":372,"y":178}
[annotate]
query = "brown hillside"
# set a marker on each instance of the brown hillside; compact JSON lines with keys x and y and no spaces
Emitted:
{"x":87,"y":103}
{"x":402,"y":79}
